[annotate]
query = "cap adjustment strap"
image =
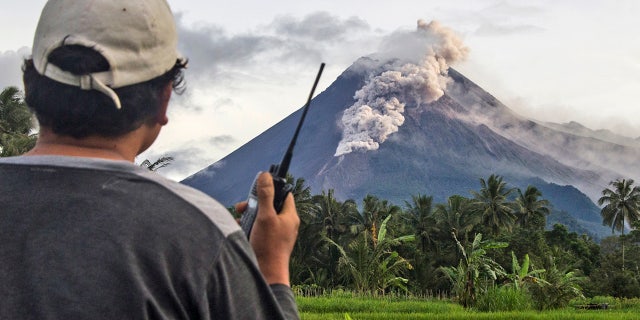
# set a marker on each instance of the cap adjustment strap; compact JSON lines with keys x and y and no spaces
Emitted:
{"x":85,"y":82}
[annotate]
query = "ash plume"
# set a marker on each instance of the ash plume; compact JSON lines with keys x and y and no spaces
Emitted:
{"x":380,"y":103}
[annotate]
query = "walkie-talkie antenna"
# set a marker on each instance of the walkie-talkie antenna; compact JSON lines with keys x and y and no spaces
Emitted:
{"x":286,"y":159}
{"x":278,"y":173}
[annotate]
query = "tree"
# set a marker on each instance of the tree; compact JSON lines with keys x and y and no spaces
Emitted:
{"x":375,"y":266}
{"x":557,"y":288}
{"x":16,"y":124}
{"x":334,"y":216}
{"x":492,"y":202}
{"x":457,"y":216}
{"x":530,"y":208}
{"x":520,"y":274}
{"x":420,"y":215}
{"x":474,"y":265}
{"x":622,"y":206}
{"x":374,"y":211}
{"x":301,"y":193}
{"x":332,"y":219}
{"x":160,"y":163}
{"x":420,"y":221}
{"x":306,"y":258}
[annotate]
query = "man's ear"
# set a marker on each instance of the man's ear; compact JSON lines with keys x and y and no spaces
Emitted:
{"x":162,"y":118}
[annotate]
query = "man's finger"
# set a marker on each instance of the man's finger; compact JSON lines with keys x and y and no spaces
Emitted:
{"x":241,"y":206}
{"x":266,"y":192}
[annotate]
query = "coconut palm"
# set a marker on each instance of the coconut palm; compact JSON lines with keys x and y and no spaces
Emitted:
{"x":374,"y":211}
{"x":457,"y":216}
{"x":158,"y":164}
{"x":334,"y":216}
{"x":301,"y":194}
{"x":16,"y":124}
{"x":492,"y":203}
{"x":529,"y":207}
{"x":622,"y":205}
{"x":330,"y":218}
{"x":420,"y":215}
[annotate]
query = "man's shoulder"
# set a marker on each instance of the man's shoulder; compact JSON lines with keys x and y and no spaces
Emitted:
{"x":124,"y":180}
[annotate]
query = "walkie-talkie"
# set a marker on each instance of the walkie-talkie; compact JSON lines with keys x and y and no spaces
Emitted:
{"x":278,"y":172}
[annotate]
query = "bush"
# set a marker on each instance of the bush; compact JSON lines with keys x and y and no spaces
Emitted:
{"x":505,"y":298}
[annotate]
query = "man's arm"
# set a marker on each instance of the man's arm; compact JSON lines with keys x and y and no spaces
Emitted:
{"x":274,"y":235}
{"x":272,"y":239}
{"x":238,"y":290}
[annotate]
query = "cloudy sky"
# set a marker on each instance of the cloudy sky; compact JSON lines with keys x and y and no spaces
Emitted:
{"x":252,"y":62}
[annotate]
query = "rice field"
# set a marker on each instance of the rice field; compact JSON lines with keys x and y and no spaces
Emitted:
{"x":355,"y":308}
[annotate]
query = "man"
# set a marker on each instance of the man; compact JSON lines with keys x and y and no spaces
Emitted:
{"x":85,"y":233}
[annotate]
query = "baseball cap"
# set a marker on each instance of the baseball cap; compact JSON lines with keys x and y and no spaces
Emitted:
{"x":137,"y":37}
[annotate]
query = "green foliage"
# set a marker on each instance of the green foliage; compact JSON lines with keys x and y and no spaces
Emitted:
{"x":363,"y":307}
{"x":354,"y":303}
{"x":521,"y":275}
{"x":475,"y":271}
{"x":573,"y":250}
{"x":504,"y":298}
{"x":492,"y":203}
{"x":459,"y":216}
{"x":435,"y":253}
{"x":557,"y":290}
{"x":16,"y":124}
{"x":530,"y":211}
{"x":374,"y":266}
{"x":622,"y":204}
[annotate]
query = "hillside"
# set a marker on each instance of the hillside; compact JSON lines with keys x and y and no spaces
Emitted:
{"x":442,"y":148}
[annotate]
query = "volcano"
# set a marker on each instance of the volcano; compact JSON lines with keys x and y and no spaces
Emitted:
{"x":443,"y":148}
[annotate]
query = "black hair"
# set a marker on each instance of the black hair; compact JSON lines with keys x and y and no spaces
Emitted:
{"x":69,"y":110}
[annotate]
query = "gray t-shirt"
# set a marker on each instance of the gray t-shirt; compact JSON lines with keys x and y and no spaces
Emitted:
{"x":86,"y":238}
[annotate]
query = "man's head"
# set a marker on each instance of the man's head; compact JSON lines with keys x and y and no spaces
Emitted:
{"x":99,"y":67}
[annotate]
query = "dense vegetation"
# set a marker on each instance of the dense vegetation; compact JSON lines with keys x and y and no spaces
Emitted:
{"x":344,"y":306}
{"x":478,"y":250}
{"x":16,"y":125}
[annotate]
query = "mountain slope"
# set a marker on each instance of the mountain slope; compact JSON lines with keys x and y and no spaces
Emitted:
{"x":441,"y":149}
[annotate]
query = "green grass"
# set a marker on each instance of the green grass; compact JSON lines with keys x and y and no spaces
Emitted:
{"x":337,"y":307}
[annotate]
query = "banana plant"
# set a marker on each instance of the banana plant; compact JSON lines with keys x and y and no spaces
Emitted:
{"x":521,"y":275}
{"x":474,"y":266}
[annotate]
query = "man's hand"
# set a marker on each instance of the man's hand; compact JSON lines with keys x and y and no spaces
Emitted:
{"x":273,"y":235}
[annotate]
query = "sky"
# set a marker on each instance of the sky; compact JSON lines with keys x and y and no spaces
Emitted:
{"x":252,"y":63}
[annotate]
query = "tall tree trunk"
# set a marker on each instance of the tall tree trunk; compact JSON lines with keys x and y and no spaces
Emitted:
{"x":622,"y":239}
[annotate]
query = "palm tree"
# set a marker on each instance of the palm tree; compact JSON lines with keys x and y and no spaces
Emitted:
{"x":334,"y":216}
{"x":159,"y":163}
{"x":457,"y":216}
{"x":420,"y":213}
{"x":374,"y":211}
{"x":16,"y":124}
{"x":301,"y":194}
{"x":420,"y":221}
{"x":530,"y":208}
{"x":332,"y":219}
{"x":492,"y":202}
{"x":622,"y":205}
{"x":306,"y":257}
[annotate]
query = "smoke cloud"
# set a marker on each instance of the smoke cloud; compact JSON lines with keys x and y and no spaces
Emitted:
{"x":380,"y":103}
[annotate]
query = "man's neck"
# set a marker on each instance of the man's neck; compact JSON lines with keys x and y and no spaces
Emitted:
{"x":120,"y":148}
